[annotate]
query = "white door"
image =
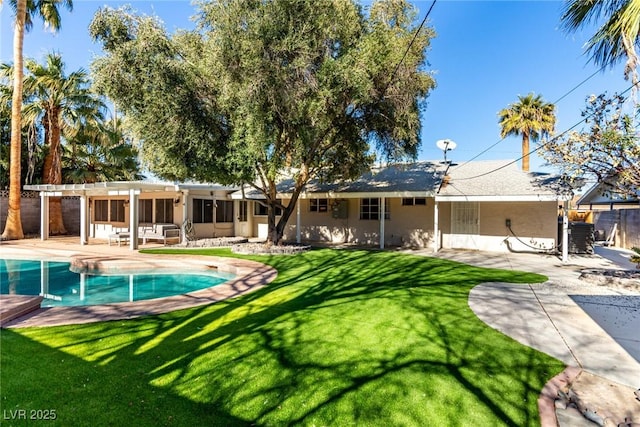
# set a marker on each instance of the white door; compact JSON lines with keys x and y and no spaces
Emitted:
{"x":465,"y":225}
{"x":242,"y":223}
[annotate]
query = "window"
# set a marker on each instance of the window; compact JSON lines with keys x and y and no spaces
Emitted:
{"x":164,"y":211}
{"x":145,"y":211}
{"x":117,"y":211}
{"x":261,"y":210}
{"x":101,"y":210}
{"x":243,"y":207}
{"x":318,"y":205}
{"x":414,"y":201}
{"x":370,"y":209}
{"x":202,"y":211}
{"x":224,"y":211}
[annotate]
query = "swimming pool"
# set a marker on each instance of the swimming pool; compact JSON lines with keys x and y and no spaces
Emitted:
{"x":60,"y":286}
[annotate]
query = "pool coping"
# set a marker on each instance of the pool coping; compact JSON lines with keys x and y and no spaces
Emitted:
{"x":249,"y":276}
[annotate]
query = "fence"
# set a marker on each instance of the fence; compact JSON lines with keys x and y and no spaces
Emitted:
{"x":628,"y":229}
{"x":30,"y":212}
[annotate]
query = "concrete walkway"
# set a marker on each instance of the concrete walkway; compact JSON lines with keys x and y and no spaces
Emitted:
{"x":594,"y":329}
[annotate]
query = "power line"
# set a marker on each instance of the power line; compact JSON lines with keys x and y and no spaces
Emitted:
{"x":555,"y":102}
{"x":540,"y":146}
{"x":415,"y":36}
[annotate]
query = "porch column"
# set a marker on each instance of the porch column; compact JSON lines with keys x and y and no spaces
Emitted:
{"x":436,"y":230}
{"x":298,"y":234}
{"x":44,"y":216}
{"x":382,"y":213}
{"x":84,"y":219}
{"x":185,"y":215}
{"x":565,"y":231}
{"x":133,"y":219}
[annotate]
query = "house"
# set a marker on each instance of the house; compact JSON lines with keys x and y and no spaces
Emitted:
{"x":477,"y":205}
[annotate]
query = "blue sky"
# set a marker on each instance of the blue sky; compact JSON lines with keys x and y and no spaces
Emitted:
{"x":486,"y":53}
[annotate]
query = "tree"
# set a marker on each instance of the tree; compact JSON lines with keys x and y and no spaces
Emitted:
{"x":616,"y":38}
{"x":61,"y":103}
{"x":101,"y":152}
{"x":607,"y":150}
{"x":24,"y":11}
{"x":530,"y":117}
{"x":32,"y":155}
{"x":309,"y":89}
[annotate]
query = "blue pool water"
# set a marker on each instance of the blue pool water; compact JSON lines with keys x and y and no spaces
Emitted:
{"x":62,"y":287}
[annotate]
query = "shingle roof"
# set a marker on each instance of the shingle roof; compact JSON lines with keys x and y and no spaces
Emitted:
{"x":419,"y":179}
{"x":500,"y":179}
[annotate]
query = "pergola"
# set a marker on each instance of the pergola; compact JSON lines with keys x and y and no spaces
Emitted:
{"x":132,"y":189}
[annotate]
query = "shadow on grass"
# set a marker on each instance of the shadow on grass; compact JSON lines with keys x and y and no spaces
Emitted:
{"x":340,"y":338}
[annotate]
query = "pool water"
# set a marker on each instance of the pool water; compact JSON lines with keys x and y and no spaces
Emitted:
{"x":62,"y":287}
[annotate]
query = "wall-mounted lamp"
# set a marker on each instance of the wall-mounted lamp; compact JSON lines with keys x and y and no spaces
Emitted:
{"x":176,"y":201}
{"x":126,"y":203}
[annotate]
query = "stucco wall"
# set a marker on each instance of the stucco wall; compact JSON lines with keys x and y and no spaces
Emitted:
{"x":534,"y":223}
{"x":407,"y":226}
{"x":30,"y":213}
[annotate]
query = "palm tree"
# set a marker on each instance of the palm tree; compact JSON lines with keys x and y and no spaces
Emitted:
{"x":616,"y":38}
{"x":61,"y":104}
{"x":24,"y":12}
{"x":530,"y":117}
{"x":101,"y":152}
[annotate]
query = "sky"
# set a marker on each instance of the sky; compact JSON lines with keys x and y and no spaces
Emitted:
{"x":485,"y":54}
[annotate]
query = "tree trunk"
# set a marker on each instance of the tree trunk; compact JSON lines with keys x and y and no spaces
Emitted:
{"x":53,"y":169}
{"x":276,"y":231}
{"x":525,"y":152}
{"x":13,"y":226}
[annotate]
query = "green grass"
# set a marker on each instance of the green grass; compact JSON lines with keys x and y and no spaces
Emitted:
{"x":340,"y":338}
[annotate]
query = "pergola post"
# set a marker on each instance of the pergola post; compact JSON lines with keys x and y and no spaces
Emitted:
{"x":84,"y":219}
{"x":133,"y":219}
{"x":44,"y":215}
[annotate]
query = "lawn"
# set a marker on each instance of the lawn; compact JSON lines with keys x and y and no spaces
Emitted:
{"x":340,"y":338}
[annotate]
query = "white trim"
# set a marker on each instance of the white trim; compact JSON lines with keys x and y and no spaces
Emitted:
{"x":531,"y":198}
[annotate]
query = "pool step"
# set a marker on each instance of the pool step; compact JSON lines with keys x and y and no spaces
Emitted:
{"x":14,"y":306}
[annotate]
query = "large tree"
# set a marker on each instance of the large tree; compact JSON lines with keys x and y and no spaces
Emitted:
{"x":265,"y":88}
{"x":618,"y":34}
{"x":24,"y":10}
{"x":606,"y":150}
{"x":532,"y":118}
{"x":62,"y":103}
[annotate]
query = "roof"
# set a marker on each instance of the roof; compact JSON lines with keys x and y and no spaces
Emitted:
{"x":418,"y":179}
{"x":598,"y":195}
{"x":500,"y":180}
{"x":473,"y":181}
{"x":122,"y":187}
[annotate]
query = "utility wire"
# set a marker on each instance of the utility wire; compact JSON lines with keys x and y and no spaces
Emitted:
{"x":541,"y":145}
{"x":415,"y":36}
{"x":555,"y":102}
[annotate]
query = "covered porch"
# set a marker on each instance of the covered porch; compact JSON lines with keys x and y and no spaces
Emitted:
{"x":129,"y":211}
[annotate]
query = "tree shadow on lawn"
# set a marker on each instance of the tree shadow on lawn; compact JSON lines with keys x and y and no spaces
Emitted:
{"x":341,"y":337}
